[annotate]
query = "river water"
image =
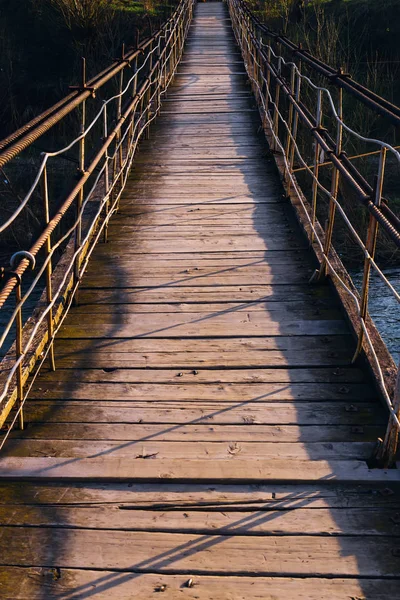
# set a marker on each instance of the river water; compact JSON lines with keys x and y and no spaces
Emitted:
{"x":384,"y":308}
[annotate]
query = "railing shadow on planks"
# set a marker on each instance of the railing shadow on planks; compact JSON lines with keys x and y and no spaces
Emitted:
{"x":304,"y":124}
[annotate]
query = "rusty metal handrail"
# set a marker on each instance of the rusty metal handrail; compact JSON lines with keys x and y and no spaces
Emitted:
{"x":278,"y":86}
{"x":26,"y":135}
{"x":136,"y":104}
{"x":340,"y":79}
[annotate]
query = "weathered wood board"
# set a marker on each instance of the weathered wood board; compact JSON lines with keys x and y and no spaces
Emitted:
{"x":205,"y":434}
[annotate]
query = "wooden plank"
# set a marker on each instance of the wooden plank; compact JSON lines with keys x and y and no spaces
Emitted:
{"x":204,"y":432}
{"x":229,"y":470}
{"x":222,"y":69}
{"x":275,"y":310}
{"x":183,"y":216}
{"x":245,"y":174}
{"x":210,"y":413}
{"x":187,"y":153}
{"x":127,"y":276}
{"x":202,"y":496}
{"x":192,"y":134}
{"x":246,"y":346}
{"x":244,"y":118}
{"x":190,"y":230}
{"x":215,"y":328}
{"x":220,"y":107}
{"x":216,"y":293}
{"x":195,"y":554}
{"x":198,"y":210}
{"x":231,"y":352}
{"x":162,"y":197}
{"x":207,"y":244}
{"x":227,"y":233}
{"x":239,"y":168}
{"x":221,"y":274}
{"x":202,"y":143}
{"x":238,"y":320}
{"x":114,"y":252}
{"x":182,"y":360}
{"x":192,"y":223}
{"x":219,"y":191}
{"x":232,"y":186}
{"x":196,"y":295}
{"x":222,"y":392}
{"x":349,"y":374}
{"x":168,"y":197}
{"x":187,"y":108}
{"x":148,"y":450}
{"x":195,"y":265}
{"x":28,"y":584}
{"x":186,"y":218}
{"x":354,"y":521}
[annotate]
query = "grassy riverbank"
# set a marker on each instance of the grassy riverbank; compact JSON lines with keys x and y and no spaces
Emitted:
{"x":42,"y":42}
{"x":359,"y":35}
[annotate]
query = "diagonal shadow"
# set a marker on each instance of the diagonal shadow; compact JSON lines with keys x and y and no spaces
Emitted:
{"x":168,"y":561}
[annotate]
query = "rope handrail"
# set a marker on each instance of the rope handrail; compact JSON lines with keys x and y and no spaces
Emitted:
{"x":278,"y":85}
{"x":122,"y":120}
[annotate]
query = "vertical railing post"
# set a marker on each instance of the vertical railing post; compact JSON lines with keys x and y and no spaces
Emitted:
{"x":260,"y":70}
{"x":148,"y":110}
{"x":164,"y":53}
{"x":268,"y":73}
{"x":180,"y":39}
{"x":295,"y":125}
{"x":118,"y":138}
{"x":106,"y":174}
{"x":47,"y":249}
{"x":267,"y":88}
{"x":18,"y":353}
{"x":147,"y":95}
{"x":78,"y":229}
{"x":370,"y":246}
{"x":171,"y":56}
{"x":318,"y":123}
{"x":134,"y":92}
{"x":175,"y":50}
{"x":113,"y":176}
{"x":275,"y":120}
{"x":242,"y":33}
{"x":334,"y":190}
{"x":254,"y":52}
{"x":159,"y":76}
{"x":247,"y":49}
{"x":290,"y":120}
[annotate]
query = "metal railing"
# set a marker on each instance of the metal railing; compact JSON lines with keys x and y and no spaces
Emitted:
{"x":305,"y":127}
{"x":109,"y":132}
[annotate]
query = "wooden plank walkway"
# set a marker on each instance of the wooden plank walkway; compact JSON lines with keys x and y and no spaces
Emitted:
{"x":205,"y":435}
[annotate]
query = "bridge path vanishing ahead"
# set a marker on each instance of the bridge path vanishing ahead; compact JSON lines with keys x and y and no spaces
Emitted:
{"x":204,"y":435}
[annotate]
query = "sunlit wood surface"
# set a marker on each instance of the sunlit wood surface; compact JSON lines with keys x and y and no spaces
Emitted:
{"x":205,"y":434}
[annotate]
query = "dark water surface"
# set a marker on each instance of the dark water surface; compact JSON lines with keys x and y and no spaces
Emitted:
{"x":384,"y":308}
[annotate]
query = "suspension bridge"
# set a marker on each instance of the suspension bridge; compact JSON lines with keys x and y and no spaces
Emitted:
{"x":199,"y":405}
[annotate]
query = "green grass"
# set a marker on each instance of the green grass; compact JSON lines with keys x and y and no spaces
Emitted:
{"x":40,"y":53}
